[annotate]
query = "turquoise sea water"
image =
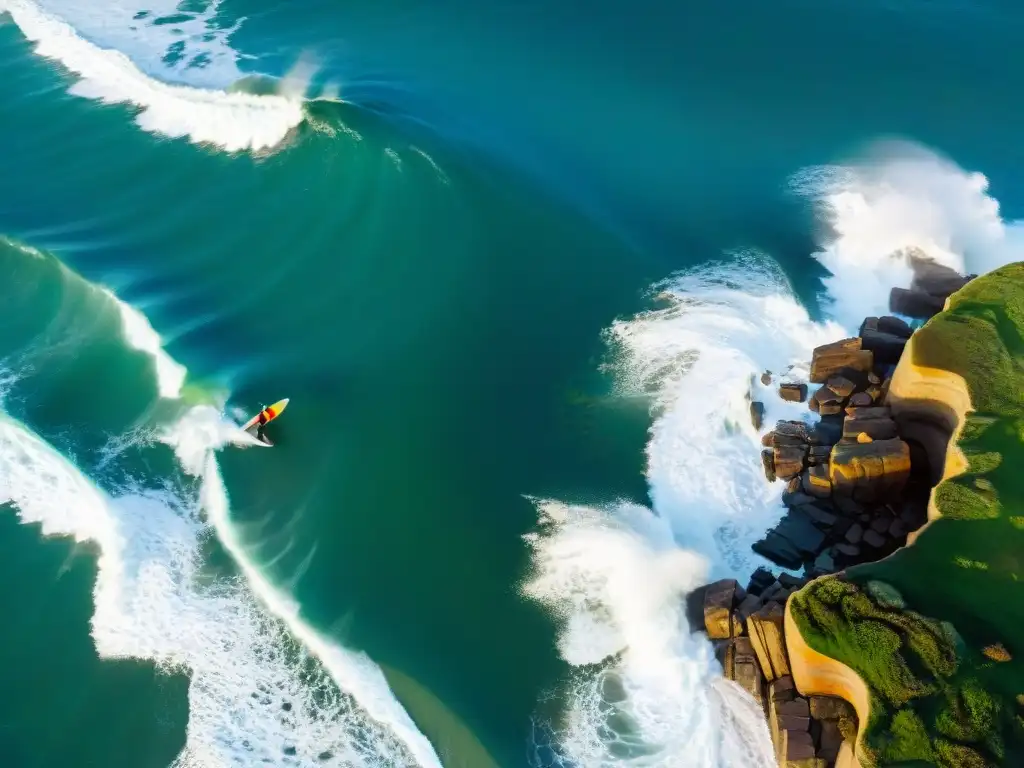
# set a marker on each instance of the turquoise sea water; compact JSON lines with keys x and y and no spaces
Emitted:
{"x":514,"y":265}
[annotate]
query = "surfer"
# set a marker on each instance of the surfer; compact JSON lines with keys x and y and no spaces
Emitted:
{"x":261,"y":424}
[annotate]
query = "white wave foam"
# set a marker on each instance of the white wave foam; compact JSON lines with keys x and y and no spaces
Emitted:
{"x":194,"y":439}
{"x":233,"y":121}
{"x":254,"y":696}
{"x":612,"y":575}
{"x":901,"y":199}
{"x":616,"y":580}
{"x":139,"y":333}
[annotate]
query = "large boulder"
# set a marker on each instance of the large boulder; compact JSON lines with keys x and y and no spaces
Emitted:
{"x":719,"y":599}
{"x":741,"y":665}
{"x":815,"y":481}
{"x":794,"y":393}
{"x":768,"y":463}
{"x":874,"y":422}
{"x":916,"y":304}
{"x":840,"y":357}
{"x":767,"y":637}
{"x":827,"y":402}
{"x":789,"y":460}
{"x":887,"y":347}
{"x":887,"y":324}
{"x":779,"y":550}
{"x":868,"y":472}
{"x":757,"y":414}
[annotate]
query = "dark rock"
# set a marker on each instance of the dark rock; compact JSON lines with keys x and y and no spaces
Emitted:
{"x":796,"y":429}
{"x":934,"y":278}
{"x":793,"y":393}
{"x":760,"y":580}
{"x":846,"y":506}
{"x":874,"y":378}
{"x":828,"y":431}
{"x":798,"y":706}
{"x":869,"y":324}
{"x":916,"y":304}
{"x":797,"y":499}
{"x":694,"y":603}
{"x":741,"y":665}
{"x":789,"y":460}
{"x":768,"y":462}
{"x":881,"y":525}
{"x":816,"y":482}
{"x":877,"y":428}
{"x":838,"y":357}
{"x":874,"y":539}
{"x":841,"y":385}
{"x":865,"y":518}
{"x":871,"y":412}
{"x":798,"y":529}
{"x":847,"y":550}
{"x":790,"y":581}
{"x":771,"y":592}
{"x":826,"y":402}
{"x":779,"y":550}
{"x":829,"y":708}
{"x":855,"y":534}
{"x":757,"y":414}
{"x":887,"y":347}
{"x":719,"y":600}
{"x":861,"y":399}
{"x":818,"y":454}
{"x":748,"y":605}
{"x":820,"y":517}
{"x":825,"y":562}
{"x":830,"y":741}
{"x":766,"y":378}
{"x":783,"y":689}
{"x":895,"y":326}
{"x":767,"y":638}
{"x":871,"y":471}
{"x":797,"y":750}
{"x":767,"y":439}
{"x":842,"y":525}
{"x":898,"y":530}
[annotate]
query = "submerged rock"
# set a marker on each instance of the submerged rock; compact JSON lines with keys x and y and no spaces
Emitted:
{"x":757,"y":414}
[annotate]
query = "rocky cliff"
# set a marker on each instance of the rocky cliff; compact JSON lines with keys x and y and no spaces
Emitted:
{"x":934,"y":633}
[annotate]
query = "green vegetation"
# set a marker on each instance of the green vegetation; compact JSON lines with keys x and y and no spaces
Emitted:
{"x":937,"y":630}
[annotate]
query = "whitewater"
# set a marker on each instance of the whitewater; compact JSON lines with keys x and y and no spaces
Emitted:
{"x":645,"y":691}
{"x":119,"y":57}
{"x":264,"y":685}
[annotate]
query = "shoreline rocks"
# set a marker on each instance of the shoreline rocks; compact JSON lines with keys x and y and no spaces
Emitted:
{"x":852,"y":495}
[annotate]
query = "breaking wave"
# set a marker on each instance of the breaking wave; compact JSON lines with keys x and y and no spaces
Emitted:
{"x":645,"y":691}
{"x":264,"y":687}
{"x":203,"y":113}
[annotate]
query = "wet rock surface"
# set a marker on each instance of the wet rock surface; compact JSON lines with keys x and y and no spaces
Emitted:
{"x":850,"y":498}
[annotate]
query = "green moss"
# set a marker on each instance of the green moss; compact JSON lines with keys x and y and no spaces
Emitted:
{"x":916,"y":626}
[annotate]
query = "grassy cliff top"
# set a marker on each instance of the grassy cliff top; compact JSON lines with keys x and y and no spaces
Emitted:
{"x":937,"y":630}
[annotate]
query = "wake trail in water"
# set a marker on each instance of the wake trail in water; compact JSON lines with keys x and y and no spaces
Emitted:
{"x":645,"y":691}
{"x":233,"y":121}
{"x":264,"y":687}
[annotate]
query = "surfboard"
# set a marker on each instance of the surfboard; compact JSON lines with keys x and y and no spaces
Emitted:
{"x":272,"y":411}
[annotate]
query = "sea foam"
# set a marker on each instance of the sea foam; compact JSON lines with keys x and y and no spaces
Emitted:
{"x":645,"y":691}
{"x":233,"y":121}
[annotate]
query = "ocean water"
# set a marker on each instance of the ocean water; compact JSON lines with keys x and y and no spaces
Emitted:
{"x":518,"y":266}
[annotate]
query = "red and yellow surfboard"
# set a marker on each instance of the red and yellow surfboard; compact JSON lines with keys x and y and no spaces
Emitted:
{"x":272,"y":411}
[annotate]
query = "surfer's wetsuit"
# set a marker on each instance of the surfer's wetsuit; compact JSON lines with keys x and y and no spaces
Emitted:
{"x":261,"y":424}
